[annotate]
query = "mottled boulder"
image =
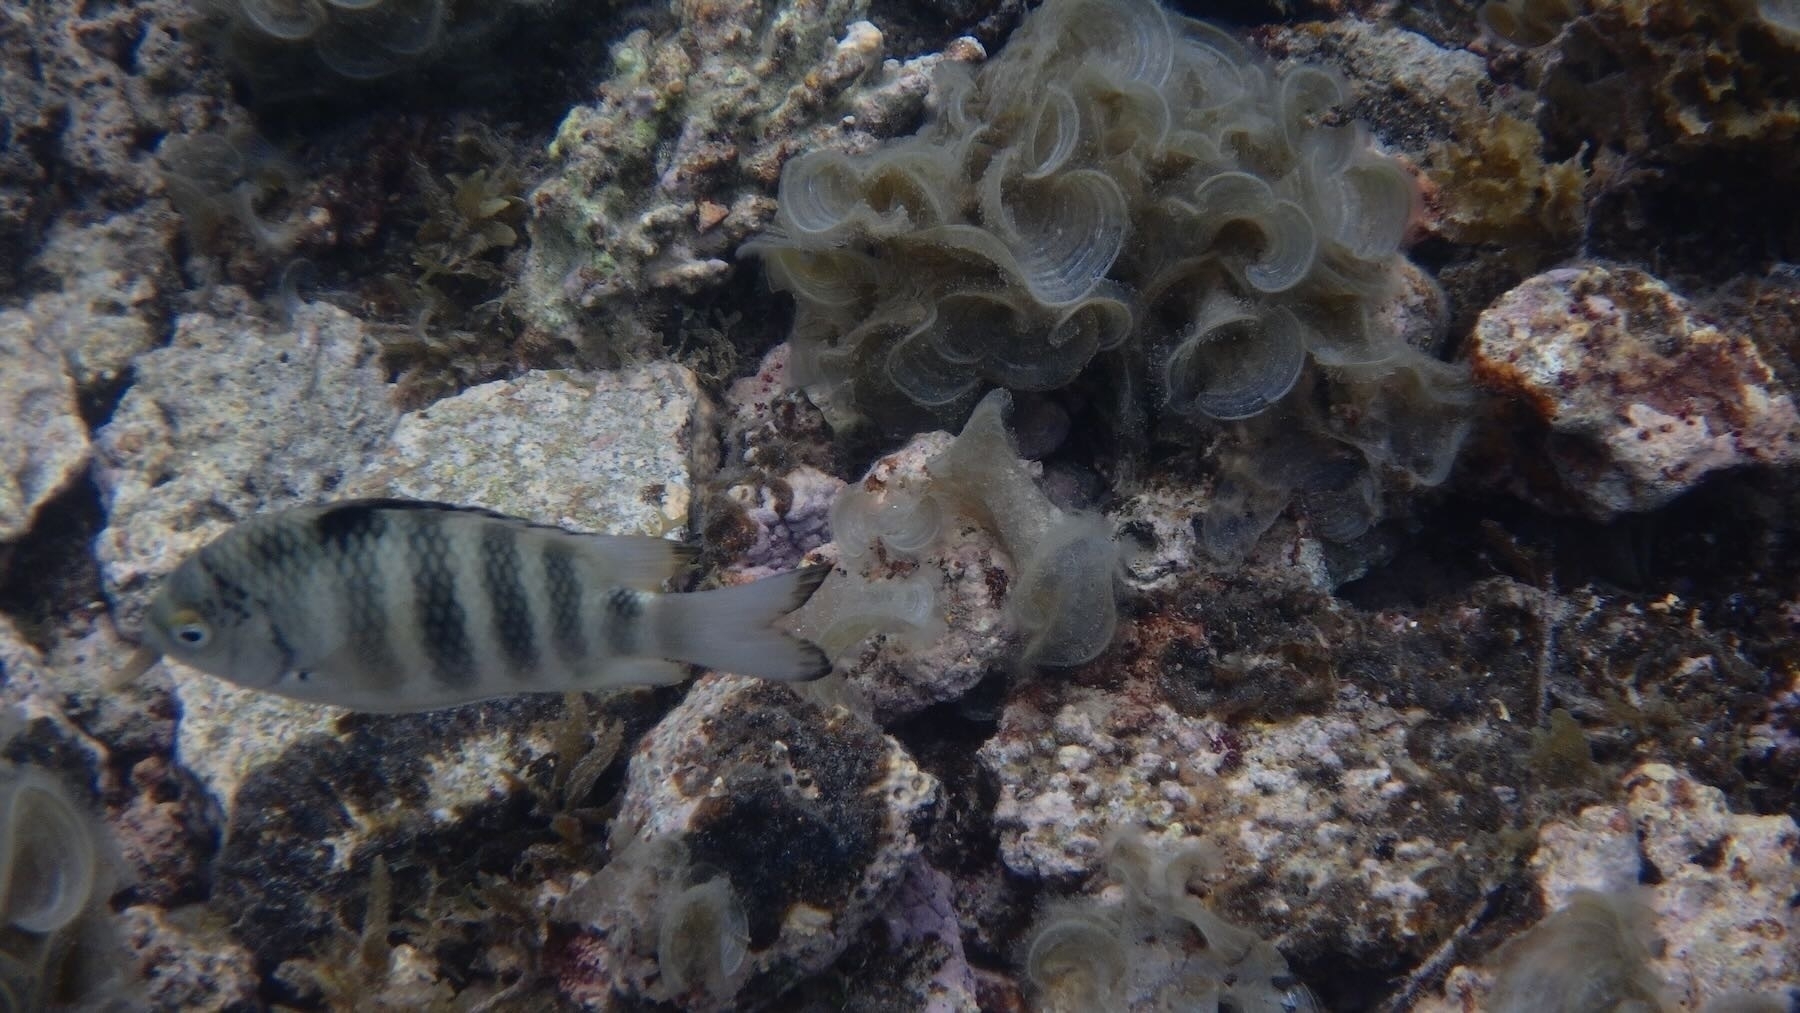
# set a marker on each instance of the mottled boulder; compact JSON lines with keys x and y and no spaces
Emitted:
{"x":115,"y":279}
{"x":767,"y":524}
{"x":657,"y":183}
{"x":1627,"y":397}
{"x":769,"y":423}
{"x":186,"y":966}
{"x":1302,"y":802}
{"x":757,"y":836}
{"x":908,"y":628}
{"x":616,"y":451}
{"x":85,"y":86}
{"x":237,"y":415}
{"x":1720,"y":888}
{"x":43,"y":441}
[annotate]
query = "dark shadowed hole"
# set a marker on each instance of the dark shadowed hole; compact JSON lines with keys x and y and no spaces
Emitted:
{"x":51,"y":573}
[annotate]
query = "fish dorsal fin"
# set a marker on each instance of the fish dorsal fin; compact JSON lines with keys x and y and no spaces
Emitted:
{"x":640,"y":562}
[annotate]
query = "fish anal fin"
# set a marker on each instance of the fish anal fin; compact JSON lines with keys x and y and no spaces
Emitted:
{"x":643,"y":672}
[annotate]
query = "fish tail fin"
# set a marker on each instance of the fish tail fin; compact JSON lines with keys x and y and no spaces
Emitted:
{"x":732,"y":629}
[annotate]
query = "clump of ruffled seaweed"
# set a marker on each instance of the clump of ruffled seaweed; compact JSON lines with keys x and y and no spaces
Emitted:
{"x":1129,"y":192}
{"x":299,"y":47}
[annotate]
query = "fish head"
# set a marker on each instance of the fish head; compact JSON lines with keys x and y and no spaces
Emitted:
{"x":189,"y":623}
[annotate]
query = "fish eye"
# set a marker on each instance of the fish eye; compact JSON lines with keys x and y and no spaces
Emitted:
{"x":191,"y":630}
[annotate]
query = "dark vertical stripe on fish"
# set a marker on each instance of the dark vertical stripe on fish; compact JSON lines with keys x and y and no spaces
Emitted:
{"x":442,"y":625}
{"x":272,"y":546}
{"x":227,"y":593}
{"x":358,"y":562}
{"x":623,"y":607}
{"x":282,"y":647}
{"x":351,"y":527}
{"x":564,"y":594}
{"x":507,"y":601}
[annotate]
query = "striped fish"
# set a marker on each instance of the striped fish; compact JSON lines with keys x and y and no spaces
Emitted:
{"x":402,"y":605}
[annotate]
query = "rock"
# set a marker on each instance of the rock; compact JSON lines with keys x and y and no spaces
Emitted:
{"x":1159,"y":522}
{"x":769,"y":503}
{"x":115,"y":275}
{"x":922,"y":922}
{"x":189,"y":966}
{"x":66,"y":679}
{"x":1652,"y":81}
{"x":811,"y":819}
{"x":769,"y":423}
{"x":786,"y":517}
{"x":1353,"y":770}
{"x":911,"y":629}
{"x":236,"y":416}
{"x":1101,"y":762}
{"x":316,"y":794}
{"x":615,"y":452}
{"x":1725,"y":901}
{"x":709,"y":112}
{"x":1720,"y":885}
{"x":25,"y":120}
{"x":43,"y":441}
{"x":306,"y":792}
{"x":85,"y":86}
{"x":1410,"y":89}
{"x":34,"y":725}
{"x":1635,"y":397}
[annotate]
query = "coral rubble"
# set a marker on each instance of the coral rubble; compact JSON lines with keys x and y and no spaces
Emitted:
{"x":792,"y":824}
{"x":657,"y":183}
{"x":1636,"y":395}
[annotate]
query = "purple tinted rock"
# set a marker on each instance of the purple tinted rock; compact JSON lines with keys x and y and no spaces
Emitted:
{"x":1635,"y":397}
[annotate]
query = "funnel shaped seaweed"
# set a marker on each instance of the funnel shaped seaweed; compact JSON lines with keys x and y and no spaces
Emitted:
{"x":703,"y":937}
{"x":1121,"y":184}
{"x":56,"y":950}
{"x":1160,"y":947}
{"x":1593,"y":954}
{"x":287,"y":43}
{"x":1064,"y":598}
{"x":47,"y":856}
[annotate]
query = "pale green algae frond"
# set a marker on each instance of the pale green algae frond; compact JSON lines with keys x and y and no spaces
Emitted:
{"x":1130,"y":194}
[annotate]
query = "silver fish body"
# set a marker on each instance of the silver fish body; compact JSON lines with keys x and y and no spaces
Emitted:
{"x":402,"y":605}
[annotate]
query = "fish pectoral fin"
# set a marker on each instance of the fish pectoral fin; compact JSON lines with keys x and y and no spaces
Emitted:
{"x":644,"y":672}
{"x":140,"y":662}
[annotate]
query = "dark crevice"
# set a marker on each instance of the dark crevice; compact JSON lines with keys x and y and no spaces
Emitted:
{"x":51,"y":572}
{"x":98,"y":401}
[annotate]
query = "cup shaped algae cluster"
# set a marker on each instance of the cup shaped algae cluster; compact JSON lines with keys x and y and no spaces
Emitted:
{"x":358,"y":40}
{"x":50,"y":879}
{"x":1157,"y":947}
{"x":1118,"y":182}
{"x":1061,"y":598}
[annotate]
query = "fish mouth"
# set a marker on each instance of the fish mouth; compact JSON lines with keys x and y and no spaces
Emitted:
{"x":136,"y":665}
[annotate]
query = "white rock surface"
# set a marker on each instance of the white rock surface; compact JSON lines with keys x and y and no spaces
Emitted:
{"x":1643,"y":397}
{"x":114,"y":275}
{"x":616,"y":452}
{"x":43,"y":441}
{"x":236,"y":416}
{"x":812,"y":817}
{"x":1721,"y":893}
